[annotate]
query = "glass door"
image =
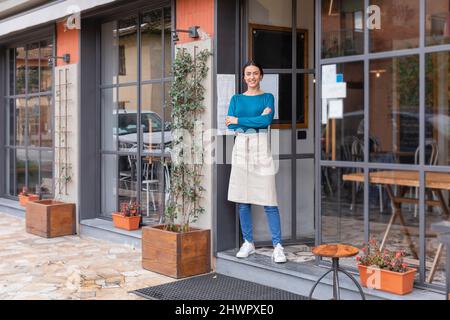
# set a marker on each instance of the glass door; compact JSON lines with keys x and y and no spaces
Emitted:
{"x":281,"y":38}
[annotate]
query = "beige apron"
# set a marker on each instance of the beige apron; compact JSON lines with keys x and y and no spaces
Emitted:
{"x":252,"y":179}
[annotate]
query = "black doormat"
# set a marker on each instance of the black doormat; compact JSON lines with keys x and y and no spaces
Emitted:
{"x":215,"y":287}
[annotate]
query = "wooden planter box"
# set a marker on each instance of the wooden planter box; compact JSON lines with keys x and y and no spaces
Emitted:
{"x":389,"y":281}
{"x":177,"y":255}
{"x":126,"y":223}
{"x":49,"y":218}
{"x":23,"y":200}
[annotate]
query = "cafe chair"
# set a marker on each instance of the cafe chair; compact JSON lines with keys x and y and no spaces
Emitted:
{"x":432,"y":161}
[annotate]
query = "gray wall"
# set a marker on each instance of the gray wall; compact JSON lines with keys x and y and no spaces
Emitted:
{"x":226,"y":233}
{"x":3,"y":129}
{"x":90,"y":124}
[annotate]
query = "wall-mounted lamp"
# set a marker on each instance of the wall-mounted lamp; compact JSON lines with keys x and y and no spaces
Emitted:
{"x":192,"y":31}
{"x":65,"y":58}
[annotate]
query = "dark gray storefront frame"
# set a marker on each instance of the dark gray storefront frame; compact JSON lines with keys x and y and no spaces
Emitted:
{"x":226,"y":235}
{"x":90,"y":113}
{"x":367,"y":166}
{"x":45,"y":31}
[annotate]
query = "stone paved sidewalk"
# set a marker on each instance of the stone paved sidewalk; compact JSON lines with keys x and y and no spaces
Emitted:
{"x":68,"y":267}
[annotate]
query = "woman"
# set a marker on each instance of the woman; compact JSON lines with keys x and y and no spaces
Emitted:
{"x":252,"y":179}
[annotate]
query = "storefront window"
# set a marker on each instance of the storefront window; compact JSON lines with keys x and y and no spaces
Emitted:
{"x":436,"y":211}
{"x":30,"y":124}
{"x":342,"y":206}
{"x":394,"y":220}
{"x":437,"y":108}
{"x":134,"y":117}
{"x":343,"y":113}
{"x":437,"y":22}
{"x":394,"y":110}
{"x":342,"y":28}
{"x":398,"y":27}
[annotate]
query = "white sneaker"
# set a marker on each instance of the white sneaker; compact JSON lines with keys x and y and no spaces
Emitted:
{"x":246,"y":250}
{"x":278,"y":254}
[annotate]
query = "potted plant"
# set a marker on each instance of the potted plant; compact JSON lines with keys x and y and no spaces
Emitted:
{"x":129,"y":216}
{"x":385,"y":270}
{"x":54,"y":217}
{"x":176,"y":249}
{"x":25,"y":196}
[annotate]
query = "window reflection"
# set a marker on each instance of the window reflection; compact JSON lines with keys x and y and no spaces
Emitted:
{"x":399,"y":25}
{"x":342,"y":208}
{"x":33,"y":122}
{"x":342,"y":28}
{"x":394,"y":110}
{"x":33,"y":67}
{"x":30,"y":118}
{"x":168,"y":41}
{"x":128,"y":51}
{"x":436,"y":210}
{"x":152,"y":46}
{"x":126,"y":114}
{"x":46,"y":51}
{"x":394,"y":222}
{"x":21,"y":122}
{"x":20,"y":68}
{"x":45,"y":125}
{"x":155,"y":188}
{"x":131,"y":124}
{"x":437,"y":22}
{"x":110,"y":53}
{"x":343,"y":136}
{"x":437,"y":108}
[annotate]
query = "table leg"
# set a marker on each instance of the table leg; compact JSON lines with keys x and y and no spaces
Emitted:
{"x":397,"y":213}
{"x":443,"y":205}
{"x":437,"y":257}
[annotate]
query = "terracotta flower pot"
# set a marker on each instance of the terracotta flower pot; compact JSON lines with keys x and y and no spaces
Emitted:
{"x":23,"y":200}
{"x":388,"y":281}
{"x":126,"y":223}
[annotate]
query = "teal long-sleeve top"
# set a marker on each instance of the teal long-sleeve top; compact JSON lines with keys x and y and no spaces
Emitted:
{"x":248,"y":110}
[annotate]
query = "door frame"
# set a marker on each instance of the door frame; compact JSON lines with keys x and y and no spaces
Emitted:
{"x":244,"y":43}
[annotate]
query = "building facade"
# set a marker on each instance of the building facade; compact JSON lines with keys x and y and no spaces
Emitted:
{"x":360,"y":135}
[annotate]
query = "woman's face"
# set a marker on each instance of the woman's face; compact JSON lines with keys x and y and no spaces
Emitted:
{"x":252,"y":77}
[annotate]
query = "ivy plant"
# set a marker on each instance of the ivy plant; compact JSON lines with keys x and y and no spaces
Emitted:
{"x":187,"y":95}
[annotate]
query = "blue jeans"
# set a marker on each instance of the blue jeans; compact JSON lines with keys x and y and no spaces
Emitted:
{"x":273,"y":217}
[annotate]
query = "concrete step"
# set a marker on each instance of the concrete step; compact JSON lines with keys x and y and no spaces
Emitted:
{"x":300,"y":278}
{"x":12,"y":207}
{"x":104,"y":230}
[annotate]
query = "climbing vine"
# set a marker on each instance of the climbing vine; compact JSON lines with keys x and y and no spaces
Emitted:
{"x":187,"y":95}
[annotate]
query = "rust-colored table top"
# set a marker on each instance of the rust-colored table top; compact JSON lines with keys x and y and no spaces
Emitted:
{"x":335,"y":251}
{"x":434,"y":180}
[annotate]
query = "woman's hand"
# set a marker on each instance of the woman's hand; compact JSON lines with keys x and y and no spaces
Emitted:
{"x":267,"y":111}
{"x":231,"y":120}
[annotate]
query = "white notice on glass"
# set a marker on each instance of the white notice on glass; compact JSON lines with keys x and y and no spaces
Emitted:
{"x":324,"y":111}
{"x":337,"y":90}
{"x":329,"y":74}
{"x":270,"y":84}
{"x":336,"y":109}
{"x":226,"y":89}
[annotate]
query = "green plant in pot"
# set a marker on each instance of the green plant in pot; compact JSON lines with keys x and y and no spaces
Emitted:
{"x":175,"y":248}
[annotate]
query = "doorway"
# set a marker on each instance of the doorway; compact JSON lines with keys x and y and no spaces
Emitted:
{"x":281,"y":37}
